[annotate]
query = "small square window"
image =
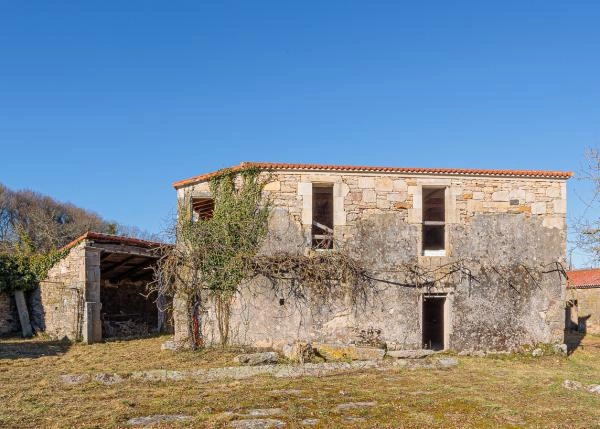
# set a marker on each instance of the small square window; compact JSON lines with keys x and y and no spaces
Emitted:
{"x":203,"y":208}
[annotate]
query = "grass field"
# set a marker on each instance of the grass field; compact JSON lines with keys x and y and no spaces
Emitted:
{"x":506,"y":391}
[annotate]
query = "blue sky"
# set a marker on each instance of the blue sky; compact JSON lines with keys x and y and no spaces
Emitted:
{"x":104,"y":104}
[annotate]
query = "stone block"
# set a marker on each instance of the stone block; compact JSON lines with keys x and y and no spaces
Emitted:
{"x":304,"y":188}
{"x":500,"y":196}
{"x":410,"y":354}
{"x":384,"y":184}
{"x":348,"y":352}
{"x":397,"y":196}
{"x":401,"y":205}
{"x":478,"y":195}
{"x":538,"y":208}
{"x":257,"y":358}
{"x":553,"y":192}
{"x":400,"y":186}
{"x":383,"y":204}
{"x":467,"y":196}
{"x":560,"y":206}
{"x":517,"y":194}
{"x":369,"y":196}
{"x":366,"y":182}
{"x":273,"y":186}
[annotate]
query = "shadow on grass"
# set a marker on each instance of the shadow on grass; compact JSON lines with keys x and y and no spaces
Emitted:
{"x":32,"y":349}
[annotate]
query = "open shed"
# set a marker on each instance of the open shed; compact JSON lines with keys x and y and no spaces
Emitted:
{"x":99,"y":290}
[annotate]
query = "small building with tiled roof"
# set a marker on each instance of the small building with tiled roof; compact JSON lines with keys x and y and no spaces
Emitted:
{"x":583,"y":300}
{"x":506,"y":228}
{"x":98,"y":290}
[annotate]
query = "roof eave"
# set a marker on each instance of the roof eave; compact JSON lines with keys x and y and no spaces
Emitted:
{"x":530,"y":174}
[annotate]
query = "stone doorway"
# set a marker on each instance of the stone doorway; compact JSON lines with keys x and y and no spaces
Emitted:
{"x":433,"y":317}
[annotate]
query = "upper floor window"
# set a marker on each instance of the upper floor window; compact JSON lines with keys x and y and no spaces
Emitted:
{"x":434,"y":221}
{"x":322,"y":216}
{"x":202,"y":208}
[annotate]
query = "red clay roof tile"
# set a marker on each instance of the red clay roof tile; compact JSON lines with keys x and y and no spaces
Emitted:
{"x":371,"y":169}
{"x":588,"y":278}
{"x":90,"y":235}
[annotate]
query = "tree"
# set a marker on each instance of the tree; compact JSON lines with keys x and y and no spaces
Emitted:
{"x":589,"y":229}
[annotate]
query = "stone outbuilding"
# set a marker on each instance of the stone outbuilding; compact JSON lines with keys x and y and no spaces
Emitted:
{"x":504,"y":229}
{"x":98,"y":291}
{"x":583,"y":301}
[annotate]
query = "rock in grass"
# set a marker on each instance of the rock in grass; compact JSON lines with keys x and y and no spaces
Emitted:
{"x":537,"y":352}
{"x":108,"y":378}
{"x":264,"y":358}
{"x":158,"y":418}
{"x":264,"y":412}
{"x":72,"y":379}
{"x":354,"y":405}
{"x":343,"y":352}
{"x":447,"y":362}
{"x":572,"y":385}
{"x":594,"y":388}
{"x":409,"y":354}
{"x":256,"y":424}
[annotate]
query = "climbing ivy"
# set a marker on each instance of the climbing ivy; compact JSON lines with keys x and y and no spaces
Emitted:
{"x":23,"y":269}
{"x":215,"y":254}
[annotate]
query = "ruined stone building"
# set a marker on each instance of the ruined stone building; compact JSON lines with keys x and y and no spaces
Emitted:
{"x":491,"y":241}
{"x":583,"y":301}
{"x":98,"y":291}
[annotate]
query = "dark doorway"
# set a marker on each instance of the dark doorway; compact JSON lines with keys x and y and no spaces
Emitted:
{"x":433,"y":322}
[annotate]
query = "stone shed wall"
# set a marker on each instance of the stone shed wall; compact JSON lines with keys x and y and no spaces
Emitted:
{"x":490,"y":221}
{"x":60,"y":299}
{"x":9,"y":320}
{"x":588,"y":307}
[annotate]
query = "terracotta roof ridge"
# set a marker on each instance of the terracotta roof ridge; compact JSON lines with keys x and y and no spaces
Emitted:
{"x":380,"y":169}
{"x":92,"y":235}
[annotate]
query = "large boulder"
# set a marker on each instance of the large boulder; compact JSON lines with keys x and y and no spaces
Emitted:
{"x":300,"y":351}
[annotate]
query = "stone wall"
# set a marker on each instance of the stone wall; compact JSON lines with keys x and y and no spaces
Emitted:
{"x":57,"y":307}
{"x":9,"y":320}
{"x":490,"y":221}
{"x":588,"y":308}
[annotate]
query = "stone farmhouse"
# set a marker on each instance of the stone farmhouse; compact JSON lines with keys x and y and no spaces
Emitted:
{"x":583,"y":301}
{"x":490,"y":245}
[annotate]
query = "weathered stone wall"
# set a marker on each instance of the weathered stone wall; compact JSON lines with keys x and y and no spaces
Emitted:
{"x":490,"y":221}
{"x":588,"y":307}
{"x":9,"y":320}
{"x":58,"y":307}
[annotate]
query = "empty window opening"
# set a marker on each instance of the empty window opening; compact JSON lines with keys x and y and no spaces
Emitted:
{"x":322,"y":216}
{"x":433,"y":322}
{"x":203,"y":208}
{"x":434,"y":221}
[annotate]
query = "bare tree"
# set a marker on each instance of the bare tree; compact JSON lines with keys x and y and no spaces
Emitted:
{"x":49,"y":224}
{"x":587,"y":227}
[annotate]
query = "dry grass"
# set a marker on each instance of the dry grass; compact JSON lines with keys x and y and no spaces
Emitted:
{"x":507,"y":392}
